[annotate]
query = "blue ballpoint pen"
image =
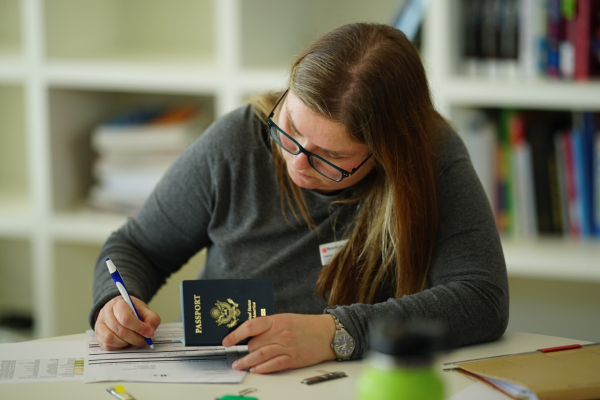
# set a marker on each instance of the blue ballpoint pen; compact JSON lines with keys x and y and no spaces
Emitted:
{"x":121,"y":286}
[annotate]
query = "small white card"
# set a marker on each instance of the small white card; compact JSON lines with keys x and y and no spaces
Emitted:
{"x":328,"y":250}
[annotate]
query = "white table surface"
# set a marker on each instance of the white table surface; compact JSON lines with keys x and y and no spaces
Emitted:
{"x":278,"y":386}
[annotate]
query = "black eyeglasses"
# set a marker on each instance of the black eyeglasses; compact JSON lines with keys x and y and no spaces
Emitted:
{"x":321,"y":165}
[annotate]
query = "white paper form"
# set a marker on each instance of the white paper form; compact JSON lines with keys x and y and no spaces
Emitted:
{"x":170,"y":361}
{"x":41,"y":361}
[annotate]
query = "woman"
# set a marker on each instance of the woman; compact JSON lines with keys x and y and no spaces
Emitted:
{"x":353,"y":157}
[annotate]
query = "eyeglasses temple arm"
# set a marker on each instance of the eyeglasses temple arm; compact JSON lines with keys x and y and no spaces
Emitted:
{"x":277,"y":103}
{"x":361,"y":164}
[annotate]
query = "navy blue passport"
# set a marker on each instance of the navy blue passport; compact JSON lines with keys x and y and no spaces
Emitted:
{"x":212,"y":308}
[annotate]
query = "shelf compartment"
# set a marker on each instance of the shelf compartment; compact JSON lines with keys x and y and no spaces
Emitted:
{"x":73,"y":116}
{"x":16,"y":294}
{"x":74,"y":269}
{"x":14,"y":182}
{"x":10,"y":30}
{"x":11,"y":71}
{"x":16,"y":217}
{"x":553,"y":259}
{"x":73,"y":274}
{"x":273,"y":32}
{"x":139,"y":31}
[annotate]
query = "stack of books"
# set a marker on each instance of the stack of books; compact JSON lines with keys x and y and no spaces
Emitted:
{"x":134,"y":149}
{"x":532,"y":38}
{"x":543,"y":175}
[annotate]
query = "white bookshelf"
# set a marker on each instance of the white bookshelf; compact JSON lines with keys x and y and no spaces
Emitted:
{"x":65,"y":65}
{"x":545,"y":258}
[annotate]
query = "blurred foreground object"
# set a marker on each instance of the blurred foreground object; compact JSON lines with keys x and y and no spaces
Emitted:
{"x":400,"y":362}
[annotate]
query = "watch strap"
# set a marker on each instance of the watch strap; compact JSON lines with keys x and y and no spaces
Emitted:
{"x":338,"y":324}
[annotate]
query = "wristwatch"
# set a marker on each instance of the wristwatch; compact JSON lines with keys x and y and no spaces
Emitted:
{"x":343,"y":344}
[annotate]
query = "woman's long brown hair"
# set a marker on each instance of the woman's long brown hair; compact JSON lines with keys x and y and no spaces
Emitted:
{"x":370,"y":78}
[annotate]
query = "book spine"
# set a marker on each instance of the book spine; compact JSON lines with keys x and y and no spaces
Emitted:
{"x":558,"y":220}
{"x":582,"y":40}
{"x":524,"y":193}
{"x":409,"y":17}
{"x":567,"y":39}
{"x":506,"y":215}
{"x":580,"y":183}
{"x":561,"y":182}
{"x":490,"y":35}
{"x":589,"y":129}
{"x":472,"y":40}
{"x":509,"y":37}
{"x":570,"y":177}
{"x":479,"y":136}
{"x":595,"y":39}
{"x":597,"y":182}
{"x":554,"y":38}
{"x":538,"y":132}
{"x":581,"y":172}
{"x":541,"y":24}
{"x":531,"y":32}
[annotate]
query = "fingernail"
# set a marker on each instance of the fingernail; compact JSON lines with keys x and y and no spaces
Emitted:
{"x":235,"y":365}
{"x":253,"y":369}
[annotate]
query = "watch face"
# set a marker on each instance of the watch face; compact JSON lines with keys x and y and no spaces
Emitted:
{"x":343,"y":344}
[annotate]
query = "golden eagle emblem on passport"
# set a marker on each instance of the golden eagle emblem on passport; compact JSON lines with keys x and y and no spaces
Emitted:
{"x":226,"y":313}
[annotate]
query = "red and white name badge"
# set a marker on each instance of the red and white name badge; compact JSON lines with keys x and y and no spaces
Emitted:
{"x":328,"y":250}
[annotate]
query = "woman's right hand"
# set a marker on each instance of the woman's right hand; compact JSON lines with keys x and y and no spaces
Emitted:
{"x":117,"y":326}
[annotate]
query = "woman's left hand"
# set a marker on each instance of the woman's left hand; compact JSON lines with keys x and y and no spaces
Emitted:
{"x":284,"y":341}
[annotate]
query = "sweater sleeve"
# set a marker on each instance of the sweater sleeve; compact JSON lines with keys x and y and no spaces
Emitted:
{"x":467,"y":276}
{"x":170,"y":227}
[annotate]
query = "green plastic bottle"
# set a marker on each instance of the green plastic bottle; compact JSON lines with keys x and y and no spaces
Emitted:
{"x":400,"y":364}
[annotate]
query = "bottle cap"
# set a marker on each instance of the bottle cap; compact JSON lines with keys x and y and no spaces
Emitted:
{"x":413,"y":339}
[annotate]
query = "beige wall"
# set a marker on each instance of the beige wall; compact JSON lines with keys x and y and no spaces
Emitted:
{"x":556,"y":308}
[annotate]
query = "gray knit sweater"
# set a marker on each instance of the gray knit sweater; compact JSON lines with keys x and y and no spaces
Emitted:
{"x":221,"y":194}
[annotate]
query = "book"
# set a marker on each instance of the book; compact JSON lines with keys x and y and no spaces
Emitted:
{"x":409,"y":17}
{"x":505,"y":218}
{"x":547,"y":197}
{"x":573,"y":205}
{"x":479,"y":134}
{"x":523,"y":177}
{"x":472,"y":34}
{"x":582,"y":147}
{"x":213,"y":308}
{"x":554,"y":35}
{"x":135,"y":148}
{"x":567,"y":373}
{"x":490,"y":36}
{"x":568,"y":40}
{"x":532,"y":37}
{"x":597,"y":182}
{"x":595,"y":39}
{"x":582,"y":40}
{"x":143,"y":130}
{"x":508,"y":41}
{"x":561,"y":181}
